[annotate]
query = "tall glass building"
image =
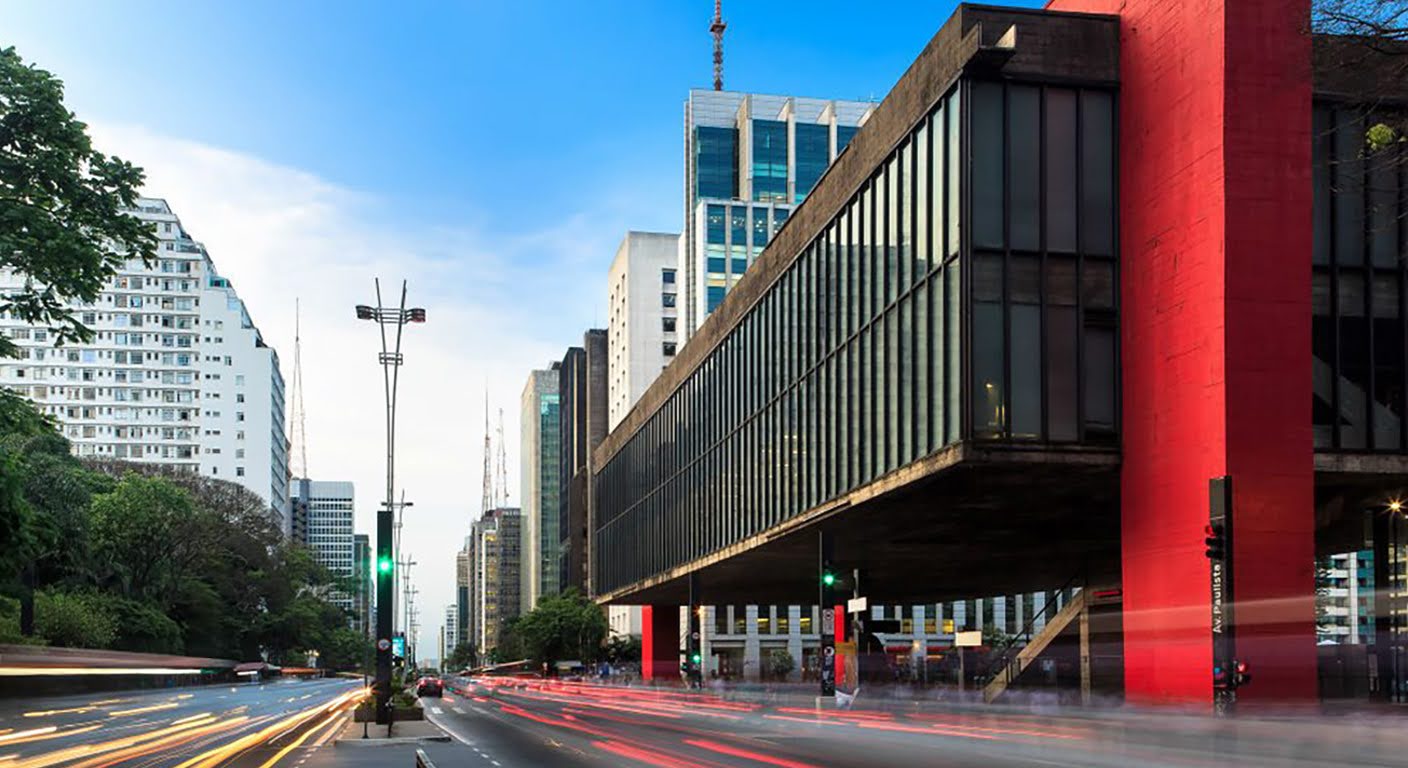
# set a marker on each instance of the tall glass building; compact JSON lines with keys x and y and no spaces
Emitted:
{"x":749,"y":158}
{"x":540,"y":461}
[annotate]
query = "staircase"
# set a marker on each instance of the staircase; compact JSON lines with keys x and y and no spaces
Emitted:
{"x":1011,"y":666}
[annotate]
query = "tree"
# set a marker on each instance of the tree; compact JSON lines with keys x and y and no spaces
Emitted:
{"x":146,"y":537}
{"x":562,"y":627}
{"x":464,"y":656}
{"x":62,"y":203}
{"x":74,"y":620}
{"x":623,"y":649}
{"x":780,"y":663}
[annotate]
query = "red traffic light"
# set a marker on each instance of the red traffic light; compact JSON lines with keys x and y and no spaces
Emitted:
{"x":1215,"y":540}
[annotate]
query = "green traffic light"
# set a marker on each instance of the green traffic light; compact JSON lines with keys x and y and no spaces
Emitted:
{"x":828,"y":579}
{"x":384,"y":565}
{"x":697,"y":658}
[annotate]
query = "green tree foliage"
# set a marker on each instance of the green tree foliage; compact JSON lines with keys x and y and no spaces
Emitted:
{"x":142,"y":558}
{"x":464,"y":656}
{"x":62,"y":223}
{"x":623,"y":649}
{"x":780,"y":663}
{"x":74,"y":619}
{"x":562,"y":628}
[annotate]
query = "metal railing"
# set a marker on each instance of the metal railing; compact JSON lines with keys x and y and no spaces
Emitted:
{"x":1005,"y":662}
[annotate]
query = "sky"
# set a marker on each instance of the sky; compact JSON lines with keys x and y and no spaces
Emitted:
{"x":492,"y":154}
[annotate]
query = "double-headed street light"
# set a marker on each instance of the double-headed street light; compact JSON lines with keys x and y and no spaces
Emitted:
{"x":387,"y":318}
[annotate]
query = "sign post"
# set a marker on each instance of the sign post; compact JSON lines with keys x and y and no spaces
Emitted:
{"x":1219,"y":554}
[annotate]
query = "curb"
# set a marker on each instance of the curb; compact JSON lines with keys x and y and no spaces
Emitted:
{"x":394,"y":741}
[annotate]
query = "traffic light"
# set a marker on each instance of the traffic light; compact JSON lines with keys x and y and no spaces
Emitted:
{"x":1219,"y":677}
{"x":1216,"y":541}
{"x":828,"y":578}
{"x":1241,"y":674}
{"x":696,"y":658}
{"x":383,"y":564}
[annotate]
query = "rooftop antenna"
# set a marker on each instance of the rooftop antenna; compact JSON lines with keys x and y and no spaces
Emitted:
{"x":717,"y":30}
{"x":501,"y":475}
{"x":487,"y":503}
{"x":298,"y":430}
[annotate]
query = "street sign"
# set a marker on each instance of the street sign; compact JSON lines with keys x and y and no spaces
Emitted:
{"x":971,"y":639}
{"x":828,"y":621}
{"x":856,"y":605}
{"x":383,"y":644}
{"x":398,"y":646}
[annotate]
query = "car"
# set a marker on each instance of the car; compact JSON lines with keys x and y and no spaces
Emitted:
{"x":429,"y":686}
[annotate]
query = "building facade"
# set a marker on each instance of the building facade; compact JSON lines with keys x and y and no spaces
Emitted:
{"x":1029,"y":331}
{"x":494,"y":561}
{"x":449,"y":636}
{"x":643,"y":316}
{"x":329,"y":506}
{"x":363,"y":613}
{"x":540,"y":468}
{"x":748,"y":159}
{"x":176,"y":374}
{"x":463,"y":604}
{"x":582,"y":399}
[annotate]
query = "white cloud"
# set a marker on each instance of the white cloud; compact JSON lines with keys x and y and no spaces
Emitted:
{"x":499,"y":305}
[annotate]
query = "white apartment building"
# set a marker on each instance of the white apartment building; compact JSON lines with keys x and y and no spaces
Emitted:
{"x":643,"y":334}
{"x":328,"y":505}
{"x":242,"y":399}
{"x":176,"y":374}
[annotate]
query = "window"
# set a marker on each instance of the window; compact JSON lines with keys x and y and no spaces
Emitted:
{"x":239,"y":471}
{"x":770,"y":161}
{"x":667,"y":299}
{"x":667,"y":276}
{"x":813,"y":155}
{"x":715,"y":162}
{"x":668,"y":348}
{"x":667,"y":324}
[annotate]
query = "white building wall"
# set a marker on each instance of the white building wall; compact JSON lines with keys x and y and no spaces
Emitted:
{"x":643,"y":333}
{"x":242,"y":400}
{"x":140,"y":389}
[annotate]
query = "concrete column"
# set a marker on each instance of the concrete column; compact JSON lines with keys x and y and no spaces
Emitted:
{"x":752,"y":650}
{"x":660,"y":642}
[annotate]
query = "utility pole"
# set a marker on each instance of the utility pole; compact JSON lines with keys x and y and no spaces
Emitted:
{"x":395,"y":319}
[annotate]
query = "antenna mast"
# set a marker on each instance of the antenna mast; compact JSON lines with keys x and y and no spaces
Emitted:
{"x":501,"y":475}
{"x":487,"y":503}
{"x":717,"y":30}
{"x":298,"y":430}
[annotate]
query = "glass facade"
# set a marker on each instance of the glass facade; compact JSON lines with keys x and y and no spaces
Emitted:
{"x":770,"y":161}
{"x":715,"y":162}
{"x":550,"y":498}
{"x":852,"y":364}
{"x":813,"y":156}
{"x":1044,"y":272}
{"x":1359,"y":215}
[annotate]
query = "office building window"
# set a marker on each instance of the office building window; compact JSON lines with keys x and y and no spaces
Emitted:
{"x":668,"y":348}
{"x":667,"y":276}
{"x":770,"y":161}
{"x":667,"y":324}
{"x":667,"y":299}
{"x":716,"y":161}
{"x":813,"y":156}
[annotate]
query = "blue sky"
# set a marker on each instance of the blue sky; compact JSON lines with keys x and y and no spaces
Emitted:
{"x":508,"y":111}
{"x":492,"y":153}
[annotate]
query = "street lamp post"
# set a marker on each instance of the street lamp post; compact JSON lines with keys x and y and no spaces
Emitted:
{"x":390,"y":358}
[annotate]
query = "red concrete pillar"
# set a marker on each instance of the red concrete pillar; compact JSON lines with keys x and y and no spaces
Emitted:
{"x":660,"y":642}
{"x":1215,"y":242}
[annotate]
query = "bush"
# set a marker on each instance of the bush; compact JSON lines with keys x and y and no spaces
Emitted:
{"x":74,"y":620}
{"x":142,"y":628}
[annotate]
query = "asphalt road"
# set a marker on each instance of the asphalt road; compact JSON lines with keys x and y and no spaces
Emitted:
{"x":195,"y":727}
{"x":504,"y":724}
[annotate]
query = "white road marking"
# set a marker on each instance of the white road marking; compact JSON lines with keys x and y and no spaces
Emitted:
{"x":458,"y":711}
{"x":437,"y":710}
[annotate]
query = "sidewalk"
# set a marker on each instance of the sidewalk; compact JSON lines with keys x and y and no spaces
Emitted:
{"x":408,"y":733}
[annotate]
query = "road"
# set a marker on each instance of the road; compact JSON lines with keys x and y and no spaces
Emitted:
{"x":539,"y":724}
{"x":497,"y":723}
{"x":195,"y":727}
